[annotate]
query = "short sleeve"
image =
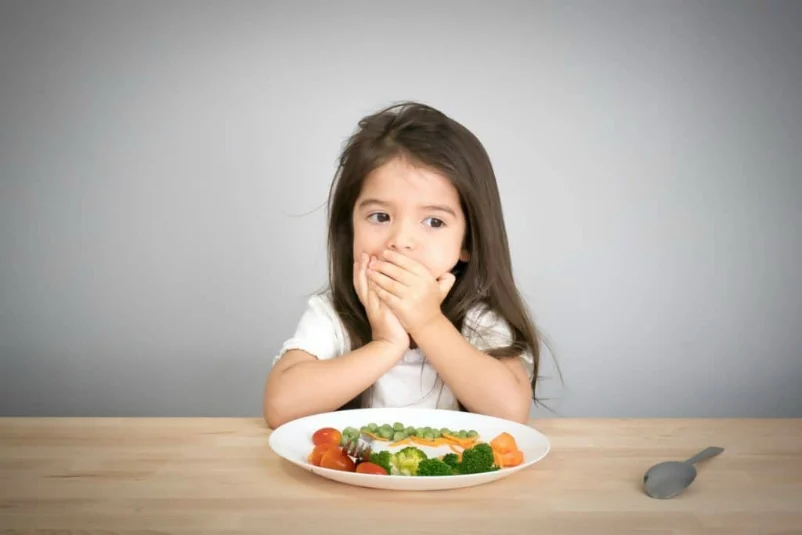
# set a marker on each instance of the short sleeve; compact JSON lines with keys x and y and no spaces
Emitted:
{"x":319,"y":331}
{"x":485,"y":330}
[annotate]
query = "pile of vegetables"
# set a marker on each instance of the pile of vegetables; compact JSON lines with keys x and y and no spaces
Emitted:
{"x":469,"y":455}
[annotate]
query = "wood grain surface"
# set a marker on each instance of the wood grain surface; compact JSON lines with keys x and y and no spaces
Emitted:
{"x":218,"y":475}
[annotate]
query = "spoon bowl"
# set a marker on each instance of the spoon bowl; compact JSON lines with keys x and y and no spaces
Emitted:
{"x":670,"y":478}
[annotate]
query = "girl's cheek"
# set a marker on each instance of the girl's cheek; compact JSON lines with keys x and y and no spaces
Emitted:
{"x":358,"y":251}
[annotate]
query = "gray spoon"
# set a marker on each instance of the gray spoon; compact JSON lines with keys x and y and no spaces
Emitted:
{"x":668,"y":479}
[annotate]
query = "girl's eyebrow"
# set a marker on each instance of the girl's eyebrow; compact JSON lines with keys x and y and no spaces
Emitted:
{"x":440,"y":208}
{"x":371,"y":201}
{"x":429,"y":207}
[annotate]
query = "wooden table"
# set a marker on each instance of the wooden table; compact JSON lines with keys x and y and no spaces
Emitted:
{"x":191,"y":475}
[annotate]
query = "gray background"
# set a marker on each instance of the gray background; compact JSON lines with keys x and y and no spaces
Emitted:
{"x":164,"y":167}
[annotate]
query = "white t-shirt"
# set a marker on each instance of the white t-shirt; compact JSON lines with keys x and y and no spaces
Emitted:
{"x":412,"y":382}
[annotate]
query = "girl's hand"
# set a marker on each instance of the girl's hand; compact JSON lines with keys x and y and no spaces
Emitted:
{"x":384,"y":324}
{"x":411,"y":292}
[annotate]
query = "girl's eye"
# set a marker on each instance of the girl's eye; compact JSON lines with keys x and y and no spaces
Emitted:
{"x":434,"y":222}
{"x":379,"y":217}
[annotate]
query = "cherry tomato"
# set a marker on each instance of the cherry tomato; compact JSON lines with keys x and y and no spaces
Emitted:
{"x":336,"y":459}
{"x":327,"y":435}
{"x":370,"y":468}
{"x":317,"y":453}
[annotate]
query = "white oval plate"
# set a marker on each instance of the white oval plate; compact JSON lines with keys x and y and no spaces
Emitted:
{"x":293,"y":442}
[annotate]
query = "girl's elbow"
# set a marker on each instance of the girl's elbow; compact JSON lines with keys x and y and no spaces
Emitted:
{"x":519,"y":411}
{"x":511,"y":410}
{"x":520,"y":417}
{"x":273,"y":421}
{"x":273,"y":415}
{"x":272,"y":410}
{"x":279,"y":408}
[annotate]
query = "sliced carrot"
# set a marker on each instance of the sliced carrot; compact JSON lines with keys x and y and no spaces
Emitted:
{"x":509,"y":459}
{"x":375,"y":436}
{"x":455,"y":449}
{"x":433,"y":442}
{"x":400,"y":442}
{"x":464,"y":442}
{"x":504,"y":443}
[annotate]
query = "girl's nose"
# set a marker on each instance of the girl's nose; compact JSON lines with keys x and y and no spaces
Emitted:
{"x":401,"y":239}
{"x":399,"y":245}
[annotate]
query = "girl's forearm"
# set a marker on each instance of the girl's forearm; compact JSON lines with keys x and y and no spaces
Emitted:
{"x":315,"y":386}
{"x":482,"y":383}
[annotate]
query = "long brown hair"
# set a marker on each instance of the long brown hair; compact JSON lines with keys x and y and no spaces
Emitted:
{"x":429,"y":138}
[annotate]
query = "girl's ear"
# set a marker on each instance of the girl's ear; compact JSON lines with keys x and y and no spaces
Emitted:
{"x":465,"y":255}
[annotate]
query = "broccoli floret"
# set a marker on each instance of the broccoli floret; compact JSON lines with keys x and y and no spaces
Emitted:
{"x":452,"y":460}
{"x":435,"y":467}
{"x":477,"y":459}
{"x":382,"y":458}
{"x":405,"y":462}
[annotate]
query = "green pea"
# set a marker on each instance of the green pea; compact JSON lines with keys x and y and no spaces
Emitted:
{"x":473,"y":433}
{"x":410,"y":431}
{"x":372,"y":427}
{"x":385,"y":433}
{"x":436,"y":433}
{"x":428,"y":436}
{"x":398,"y":426}
{"x":399,"y":435}
{"x":445,"y":431}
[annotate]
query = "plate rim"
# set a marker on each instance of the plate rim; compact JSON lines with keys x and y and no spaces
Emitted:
{"x":372,"y":477}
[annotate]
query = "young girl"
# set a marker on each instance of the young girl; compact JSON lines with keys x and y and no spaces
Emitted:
{"x":422,"y":308}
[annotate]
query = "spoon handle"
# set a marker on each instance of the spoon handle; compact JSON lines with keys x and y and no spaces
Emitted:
{"x":705,"y":454}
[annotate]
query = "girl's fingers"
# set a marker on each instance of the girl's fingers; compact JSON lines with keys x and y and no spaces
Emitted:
{"x":445,"y":283}
{"x":384,"y":282}
{"x":372,"y":299}
{"x":390,"y":299}
{"x":405,"y":262}
{"x":360,"y":278}
{"x":357,"y":281}
{"x":393,"y":271}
